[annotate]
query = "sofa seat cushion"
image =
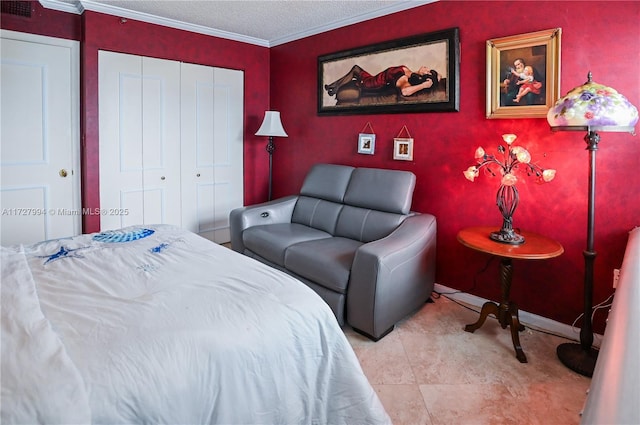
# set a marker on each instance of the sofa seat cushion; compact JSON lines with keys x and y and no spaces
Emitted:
{"x":271,"y":240}
{"x":324,"y":261}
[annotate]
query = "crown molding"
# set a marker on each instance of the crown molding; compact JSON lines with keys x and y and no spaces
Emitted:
{"x":171,"y":23}
{"x":392,"y":8}
{"x":79,"y":6}
{"x":62,"y":6}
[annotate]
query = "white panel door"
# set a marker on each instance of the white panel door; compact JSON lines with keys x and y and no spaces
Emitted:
{"x":139,"y":140}
{"x":212,"y":149}
{"x":39,"y":141}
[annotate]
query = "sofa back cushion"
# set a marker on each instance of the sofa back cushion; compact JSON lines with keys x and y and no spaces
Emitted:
{"x":316,"y":213}
{"x":321,"y":196}
{"x":366,"y":225}
{"x":363,"y":204}
{"x":382,"y":190}
{"x":327,"y":181}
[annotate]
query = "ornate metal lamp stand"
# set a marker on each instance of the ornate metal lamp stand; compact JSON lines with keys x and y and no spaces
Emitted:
{"x":507,"y":200}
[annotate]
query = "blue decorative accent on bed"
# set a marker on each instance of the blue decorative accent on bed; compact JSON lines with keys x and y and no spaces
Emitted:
{"x":158,"y":249}
{"x":62,"y":253}
{"x":118,"y":236}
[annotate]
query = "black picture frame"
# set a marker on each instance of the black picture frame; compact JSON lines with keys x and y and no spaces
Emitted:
{"x":339,"y":94}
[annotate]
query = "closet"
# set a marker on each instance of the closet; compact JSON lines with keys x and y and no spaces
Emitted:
{"x":170,"y":144}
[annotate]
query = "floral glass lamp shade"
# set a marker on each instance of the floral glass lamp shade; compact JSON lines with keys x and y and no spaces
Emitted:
{"x":593,"y":108}
{"x":514,"y":161}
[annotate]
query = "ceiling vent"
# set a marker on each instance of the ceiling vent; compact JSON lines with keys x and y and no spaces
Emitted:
{"x":18,"y":8}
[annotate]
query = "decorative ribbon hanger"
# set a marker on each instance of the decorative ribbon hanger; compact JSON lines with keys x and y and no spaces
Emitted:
{"x":404,"y":128}
{"x":367,"y":125}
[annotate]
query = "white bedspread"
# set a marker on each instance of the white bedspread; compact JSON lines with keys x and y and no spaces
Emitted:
{"x":169,"y":328}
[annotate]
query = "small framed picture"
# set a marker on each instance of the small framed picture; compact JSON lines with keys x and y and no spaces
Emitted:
{"x":403,"y":149}
{"x":366,"y":143}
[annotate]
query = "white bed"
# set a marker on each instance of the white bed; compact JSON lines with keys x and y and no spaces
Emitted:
{"x":157,"y":325}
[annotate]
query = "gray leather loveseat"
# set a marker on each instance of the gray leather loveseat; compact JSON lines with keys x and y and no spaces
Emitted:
{"x":351,"y":237}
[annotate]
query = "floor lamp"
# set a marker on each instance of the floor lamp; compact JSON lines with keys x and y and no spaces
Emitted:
{"x":593,"y":108}
{"x":271,"y":126}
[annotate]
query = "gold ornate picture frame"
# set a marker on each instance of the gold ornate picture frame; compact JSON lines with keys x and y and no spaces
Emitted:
{"x":523,"y":74}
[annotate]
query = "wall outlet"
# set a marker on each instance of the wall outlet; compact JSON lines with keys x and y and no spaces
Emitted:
{"x":616,"y":277}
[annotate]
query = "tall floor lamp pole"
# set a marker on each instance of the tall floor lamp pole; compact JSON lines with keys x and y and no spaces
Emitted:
{"x":591,"y":107}
{"x":270,"y":148}
{"x":582,"y":358}
{"x":271,"y":126}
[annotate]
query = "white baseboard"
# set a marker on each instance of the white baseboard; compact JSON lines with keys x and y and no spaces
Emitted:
{"x":528,"y":319}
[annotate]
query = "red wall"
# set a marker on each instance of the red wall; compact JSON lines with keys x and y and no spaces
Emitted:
{"x":596,"y":36}
{"x":601,"y":37}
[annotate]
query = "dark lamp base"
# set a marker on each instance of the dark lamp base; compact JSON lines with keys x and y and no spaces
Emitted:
{"x":577,"y":358}
{"x":507,"y":236}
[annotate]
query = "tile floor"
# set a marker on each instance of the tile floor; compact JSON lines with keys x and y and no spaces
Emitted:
{"x":430,"y":371}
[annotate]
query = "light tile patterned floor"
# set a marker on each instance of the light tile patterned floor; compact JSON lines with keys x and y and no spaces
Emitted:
{"x":429,"y":371}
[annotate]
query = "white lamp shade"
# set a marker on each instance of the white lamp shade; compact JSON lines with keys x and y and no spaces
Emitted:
{"x":271,"y":125}
{"x":593,"y":107}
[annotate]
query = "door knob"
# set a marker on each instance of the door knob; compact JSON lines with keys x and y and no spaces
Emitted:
{"x":63,"y":173}
{"x":162,"y":178}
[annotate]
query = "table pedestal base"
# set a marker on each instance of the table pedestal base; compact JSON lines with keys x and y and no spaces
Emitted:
{"x":506,"y":312}
{"x":507,"y":317}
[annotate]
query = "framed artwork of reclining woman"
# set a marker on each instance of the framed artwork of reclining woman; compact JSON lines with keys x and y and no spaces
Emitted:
{"x":414,"y":74}
{"x":523,"y":74}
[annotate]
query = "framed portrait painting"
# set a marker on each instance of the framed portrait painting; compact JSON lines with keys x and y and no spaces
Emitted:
{"x":414,"y":74}
{"x":523,"y":74}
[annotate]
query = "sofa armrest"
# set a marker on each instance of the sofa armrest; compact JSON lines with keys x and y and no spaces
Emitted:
{"x":272,"y":212}
{"x":393,"y":276}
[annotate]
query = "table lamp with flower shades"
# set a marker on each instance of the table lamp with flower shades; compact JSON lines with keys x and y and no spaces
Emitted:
{"x":515,"y":160}
{"x":593,"y":108}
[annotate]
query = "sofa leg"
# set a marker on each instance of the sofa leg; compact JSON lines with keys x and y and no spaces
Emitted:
{"x":374,"y":339}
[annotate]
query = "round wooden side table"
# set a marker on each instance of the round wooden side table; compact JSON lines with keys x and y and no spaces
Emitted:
{"x":535,"y":247}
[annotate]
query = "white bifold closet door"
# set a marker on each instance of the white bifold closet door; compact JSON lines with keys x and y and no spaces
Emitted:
{"x":212,"y":136}
{"x":170,"y":144}
{"x":139,"y":140}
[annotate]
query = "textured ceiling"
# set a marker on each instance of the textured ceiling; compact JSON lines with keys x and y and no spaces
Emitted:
{"x":266,"y":22}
